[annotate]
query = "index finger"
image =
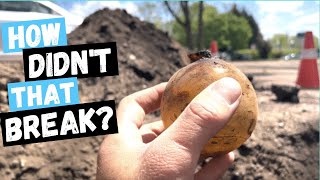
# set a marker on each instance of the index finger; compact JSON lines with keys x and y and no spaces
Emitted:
{"x":133,"y":108}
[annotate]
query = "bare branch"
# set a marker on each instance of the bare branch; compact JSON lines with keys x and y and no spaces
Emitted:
{"x":184,"y":6}
{"x":173,"y":13}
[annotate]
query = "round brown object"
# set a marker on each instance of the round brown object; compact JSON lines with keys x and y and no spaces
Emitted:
{"x":189,"y":81}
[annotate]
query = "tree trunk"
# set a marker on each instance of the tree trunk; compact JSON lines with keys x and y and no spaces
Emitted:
{"x":166,"y":3}
{"x":185,"y":9}
{"x":186,"y":24}
{"x":200,"y":26}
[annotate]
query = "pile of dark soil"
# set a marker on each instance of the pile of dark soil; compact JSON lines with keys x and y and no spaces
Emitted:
{"x":146,"y":55}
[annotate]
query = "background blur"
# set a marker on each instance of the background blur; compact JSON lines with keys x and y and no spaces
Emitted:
{"x":244,"y":30}
{"x":263,"y":39}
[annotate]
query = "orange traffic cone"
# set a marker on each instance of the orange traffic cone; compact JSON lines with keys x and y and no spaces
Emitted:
{"x":308,"y":76}
{"x":214,"y":47}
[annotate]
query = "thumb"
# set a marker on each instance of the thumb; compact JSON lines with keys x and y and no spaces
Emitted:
{"x":206,"y":114}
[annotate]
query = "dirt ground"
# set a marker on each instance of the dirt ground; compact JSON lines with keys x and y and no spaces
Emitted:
{"x":284,"y":144}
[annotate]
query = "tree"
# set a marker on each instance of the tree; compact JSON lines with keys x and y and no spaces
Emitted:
{"x":230,"y":31}
{"x":280,"y":42}
{"x":149,"y":11}
{"x":186,"y":23}
{"x":200,"y":25}
{"x":257,"y":39}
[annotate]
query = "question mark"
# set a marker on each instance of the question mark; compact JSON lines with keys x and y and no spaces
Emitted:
{"x":107,"y":117}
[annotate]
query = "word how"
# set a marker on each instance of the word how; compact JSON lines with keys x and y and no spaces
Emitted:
{"x":31,"y":34}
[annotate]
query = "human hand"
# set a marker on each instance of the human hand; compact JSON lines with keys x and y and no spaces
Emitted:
{"x":148,"y":152}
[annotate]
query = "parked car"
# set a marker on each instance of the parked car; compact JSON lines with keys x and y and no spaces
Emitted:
{"x":291,"y":56}
{"x":241,"y":57}
{"x":11,"y":11}
{"x":225,"y":56}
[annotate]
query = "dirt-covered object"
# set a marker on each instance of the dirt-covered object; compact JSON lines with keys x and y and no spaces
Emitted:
{"x":286,"y":93}
{"x":250,"y":77}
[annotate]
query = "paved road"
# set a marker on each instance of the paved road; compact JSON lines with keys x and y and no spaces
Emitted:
{"x":271,"y":71}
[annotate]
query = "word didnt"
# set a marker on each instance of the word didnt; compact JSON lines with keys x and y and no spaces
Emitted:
{"x":31,"y":34}
{"x":54,"y":67}
{"x":87,"y":60}
{"x":41,"y":94}
{"x":56,"y":123}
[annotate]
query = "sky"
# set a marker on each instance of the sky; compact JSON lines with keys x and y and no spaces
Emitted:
{"x":273,"y":17}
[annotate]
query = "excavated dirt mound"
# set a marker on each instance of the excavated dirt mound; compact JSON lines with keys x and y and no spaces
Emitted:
{"x":284,"y":144}
{"x":146,"y":55}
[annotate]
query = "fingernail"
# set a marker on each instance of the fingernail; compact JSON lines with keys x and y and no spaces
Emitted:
{"x":228,"y":88}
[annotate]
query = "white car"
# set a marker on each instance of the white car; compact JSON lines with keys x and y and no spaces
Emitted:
{"x":11,"y":11}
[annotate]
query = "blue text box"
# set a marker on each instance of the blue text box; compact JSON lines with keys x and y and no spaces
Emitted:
{"x":21,"y":94}
{"x":33,"y":34}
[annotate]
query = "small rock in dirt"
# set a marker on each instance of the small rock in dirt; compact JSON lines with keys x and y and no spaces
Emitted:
{"x":244,"y":150}
{"x":4,"y":108}
{"x":3,"y":163}
{"x":286,"y":93}
{"x":22,"y":162}
{"x":45,"y":173}
{"x":3,"y":84}
{"x":13,"y":79}
{"x":85,"y":149}
{"x":235,"y":176}
{"x":3,"y":97}
{"x":250,"y":77}
{"x":132,"y":57}
{"x":14,"y":164}
{"x":281,"y":124}
{"x":33,"y":162}
{"x":8,"y":172}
